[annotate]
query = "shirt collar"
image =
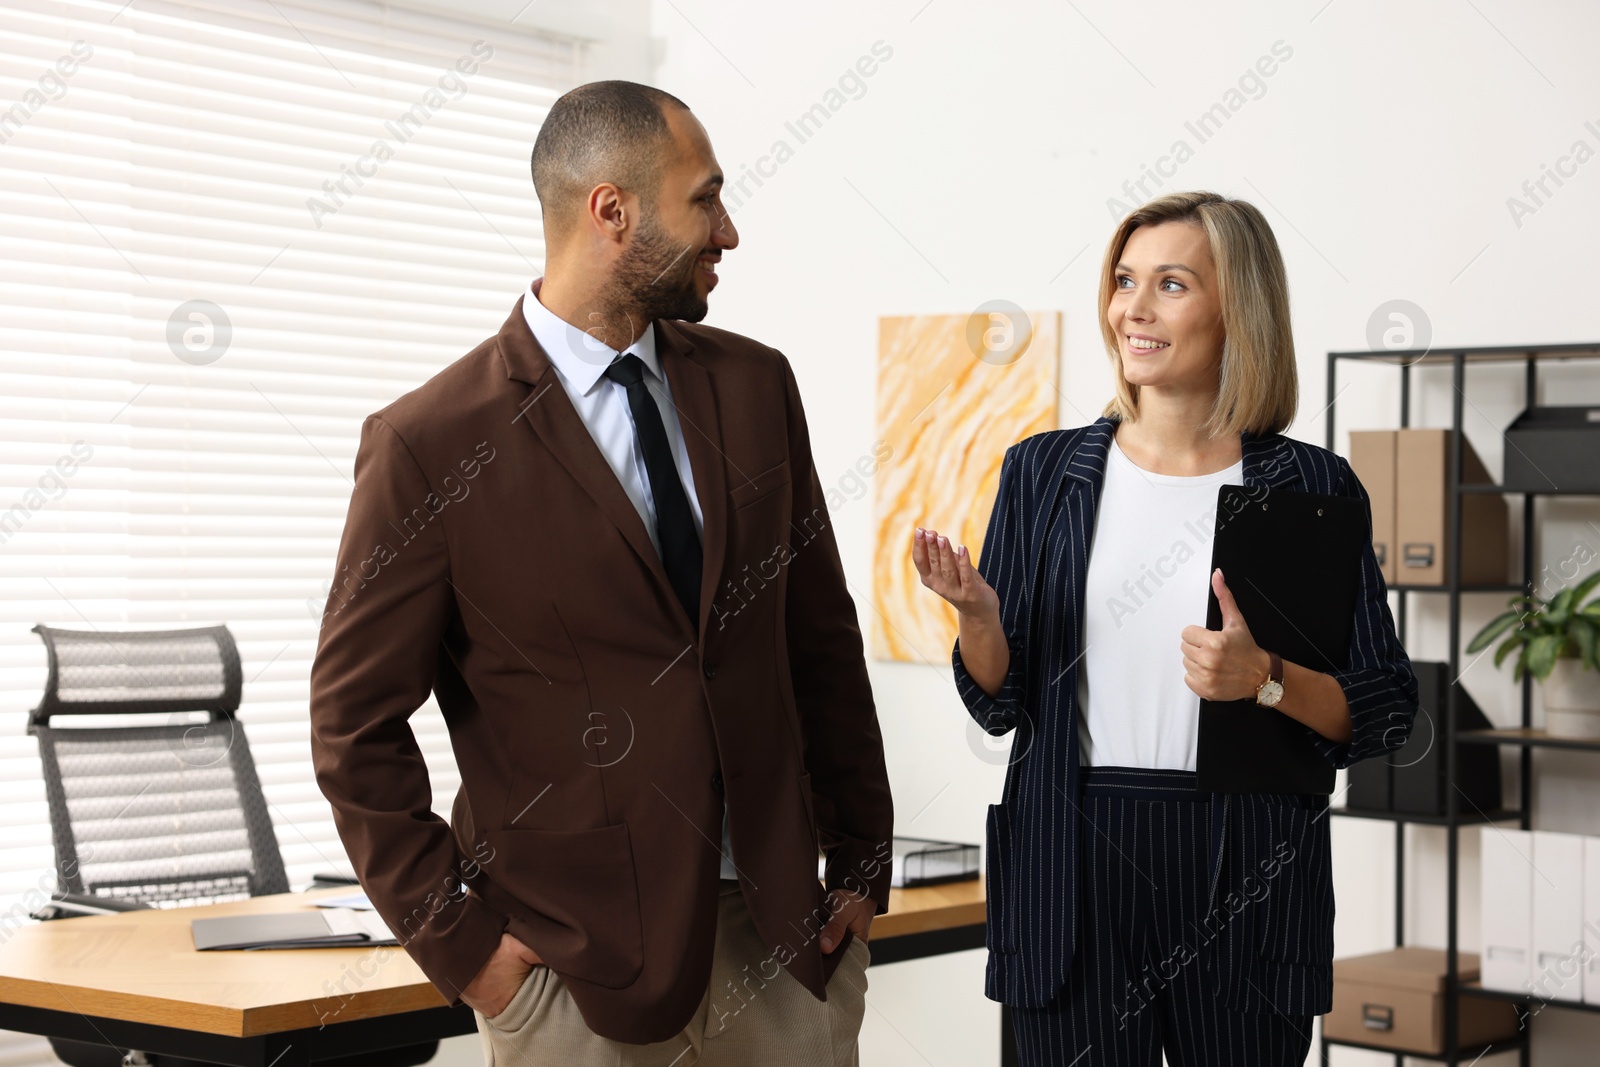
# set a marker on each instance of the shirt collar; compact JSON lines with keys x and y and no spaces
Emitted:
{"x":580,"y":358}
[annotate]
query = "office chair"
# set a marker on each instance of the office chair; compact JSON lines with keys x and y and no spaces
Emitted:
{"x":164,"y":814}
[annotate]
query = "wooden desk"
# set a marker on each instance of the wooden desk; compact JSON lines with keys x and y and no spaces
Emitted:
{"x":134,"y":980}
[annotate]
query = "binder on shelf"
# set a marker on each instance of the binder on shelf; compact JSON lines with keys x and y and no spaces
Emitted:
{"x":1506,"y":929}
{"x":1293,"y":564}
{"x":1591,"y":920}
{"x":1557,"y":915}
{"x":1372,"y":459}
{"x":1422,"y":513}
{"x":1411,"y":779}
{"x":1371,"y":782}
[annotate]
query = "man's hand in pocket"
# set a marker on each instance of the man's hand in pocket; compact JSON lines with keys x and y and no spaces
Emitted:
{"x":851,"y":911}
{"x":501,"y":977}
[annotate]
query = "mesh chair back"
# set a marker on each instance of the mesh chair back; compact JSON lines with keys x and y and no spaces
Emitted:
{"x":98,"y":672}
{"x":168,"y":813}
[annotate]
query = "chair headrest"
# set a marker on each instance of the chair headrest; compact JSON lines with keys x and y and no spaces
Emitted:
{"x":109,"y":672}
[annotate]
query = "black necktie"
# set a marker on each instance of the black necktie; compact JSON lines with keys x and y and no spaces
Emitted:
{"x":680,"y":542}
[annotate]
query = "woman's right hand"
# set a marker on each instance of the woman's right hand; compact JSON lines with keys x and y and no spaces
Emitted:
{"x":490,"y":992}
{"x":948,"y":571}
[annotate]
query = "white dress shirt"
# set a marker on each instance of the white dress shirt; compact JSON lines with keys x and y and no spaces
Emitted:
{"x":580,"y":363}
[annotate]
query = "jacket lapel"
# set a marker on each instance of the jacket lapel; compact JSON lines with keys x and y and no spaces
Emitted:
{"x":1087,"y":464}
{"x":548,"y":412}
{"x":1085,"y":470}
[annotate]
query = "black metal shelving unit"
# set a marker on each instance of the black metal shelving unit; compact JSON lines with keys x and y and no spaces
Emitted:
{"x":1526,"y":738}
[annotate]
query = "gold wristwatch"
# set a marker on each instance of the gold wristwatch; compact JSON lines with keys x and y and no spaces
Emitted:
{"x":1269,"y":692}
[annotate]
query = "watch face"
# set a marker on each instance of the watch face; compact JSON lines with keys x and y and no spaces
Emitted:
{"x":1269,"y":694}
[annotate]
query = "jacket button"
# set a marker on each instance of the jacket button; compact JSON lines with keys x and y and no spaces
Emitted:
{"x":716,"y":780}
{"x":710,"y":670}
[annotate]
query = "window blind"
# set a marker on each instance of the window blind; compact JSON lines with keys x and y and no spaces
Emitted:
{"x":230,"y":232}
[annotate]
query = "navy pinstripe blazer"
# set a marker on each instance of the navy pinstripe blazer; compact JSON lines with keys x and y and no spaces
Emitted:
{"x":1267,"y":939}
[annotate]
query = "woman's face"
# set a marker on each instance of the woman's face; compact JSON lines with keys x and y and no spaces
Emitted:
{"x":1165,"y":310}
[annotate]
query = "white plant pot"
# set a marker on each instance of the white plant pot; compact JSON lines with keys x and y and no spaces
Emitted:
{"x":1572,"y":700}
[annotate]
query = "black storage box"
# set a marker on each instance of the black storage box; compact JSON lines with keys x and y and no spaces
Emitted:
{"x":1411,"y":780}
{"x":1554,"y":448}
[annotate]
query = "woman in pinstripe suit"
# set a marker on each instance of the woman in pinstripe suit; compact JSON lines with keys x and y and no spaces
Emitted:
{"x":1129,"y":913}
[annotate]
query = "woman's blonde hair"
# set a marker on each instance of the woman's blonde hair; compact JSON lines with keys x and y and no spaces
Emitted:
{"x":1257,"y":387}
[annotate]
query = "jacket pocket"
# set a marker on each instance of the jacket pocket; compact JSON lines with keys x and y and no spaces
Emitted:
{"x":1292,"y":882}
{"x":745,"y":492}
{"x":1000,"y":934}
{"x":581,"y":892}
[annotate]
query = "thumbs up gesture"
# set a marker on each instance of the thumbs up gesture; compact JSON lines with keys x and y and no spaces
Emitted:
{"x":1224,"y":664}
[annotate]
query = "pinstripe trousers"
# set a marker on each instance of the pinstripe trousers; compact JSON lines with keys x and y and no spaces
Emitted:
{"x":1137,"y":986}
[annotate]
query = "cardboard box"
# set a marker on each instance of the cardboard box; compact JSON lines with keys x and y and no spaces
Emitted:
{"x":1372,"y":458}
{"x":1422,"y":513}
{"x":1395,"y":999}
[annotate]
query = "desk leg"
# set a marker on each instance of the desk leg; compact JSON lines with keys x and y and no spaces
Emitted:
{"x":1008,"y":1039}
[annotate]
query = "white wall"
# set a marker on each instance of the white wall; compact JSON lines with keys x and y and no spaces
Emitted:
{"x":977,"y":165}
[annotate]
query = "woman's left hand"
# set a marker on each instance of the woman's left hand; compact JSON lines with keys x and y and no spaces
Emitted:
{"x":1224,"y":664}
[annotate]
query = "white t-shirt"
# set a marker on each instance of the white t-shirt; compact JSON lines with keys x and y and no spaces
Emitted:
{"x":1149,"y":573}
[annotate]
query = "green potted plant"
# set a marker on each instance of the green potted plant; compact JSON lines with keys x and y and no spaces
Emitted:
{"x":1556,"y":641}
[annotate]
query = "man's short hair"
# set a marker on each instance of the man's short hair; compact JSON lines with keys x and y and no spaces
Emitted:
{"x":606,"y":131}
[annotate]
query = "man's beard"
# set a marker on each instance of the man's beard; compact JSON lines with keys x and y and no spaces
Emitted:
{"x":654,"y":279}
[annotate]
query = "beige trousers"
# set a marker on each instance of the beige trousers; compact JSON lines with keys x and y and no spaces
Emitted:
{"x":775,"y":1024}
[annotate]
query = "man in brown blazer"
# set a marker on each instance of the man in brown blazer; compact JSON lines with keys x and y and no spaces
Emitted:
{"x":600,"y":541}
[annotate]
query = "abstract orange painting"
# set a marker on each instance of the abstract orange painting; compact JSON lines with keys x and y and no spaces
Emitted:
{"x":954,"y":392}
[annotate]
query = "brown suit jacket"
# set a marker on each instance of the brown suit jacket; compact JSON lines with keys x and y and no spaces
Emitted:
{"x":490,"y":555}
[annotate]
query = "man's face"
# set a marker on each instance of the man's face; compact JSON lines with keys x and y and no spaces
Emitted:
{"x":669,"y":266}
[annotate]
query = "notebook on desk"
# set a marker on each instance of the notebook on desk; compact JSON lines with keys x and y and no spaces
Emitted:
{"x":323,"y":928}
{"x":1293,"y":564}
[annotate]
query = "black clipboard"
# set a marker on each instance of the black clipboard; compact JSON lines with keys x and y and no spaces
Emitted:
{"x":1293,"y":564}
